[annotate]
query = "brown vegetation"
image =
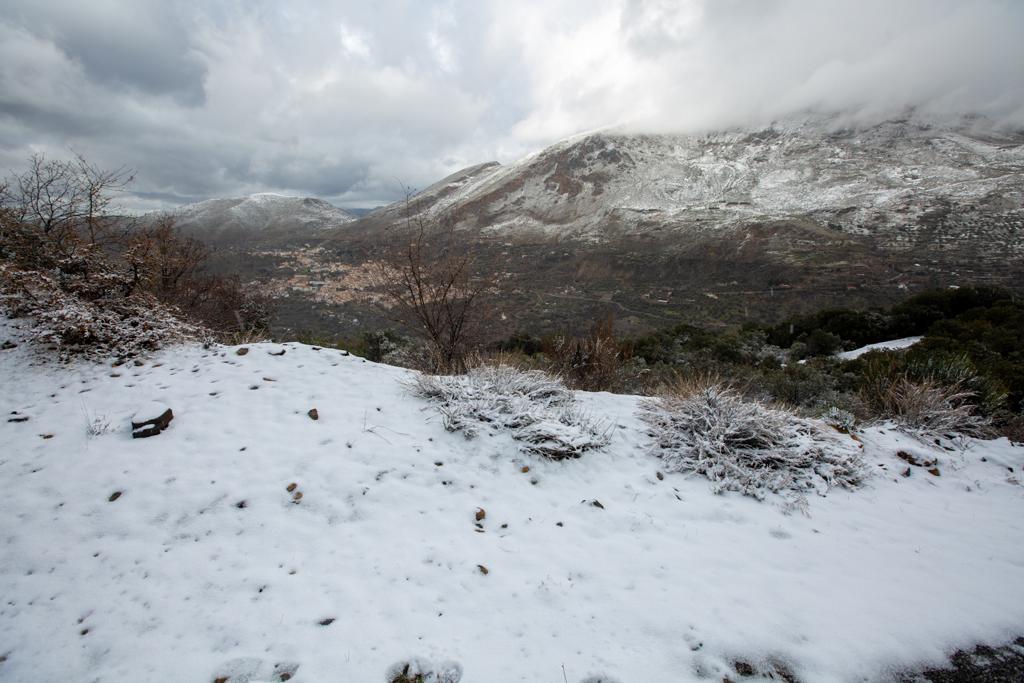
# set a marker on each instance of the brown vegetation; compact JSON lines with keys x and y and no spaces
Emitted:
{"x":593,"y":362}
{"x":433,"y":288}
{"x":97,"y":283}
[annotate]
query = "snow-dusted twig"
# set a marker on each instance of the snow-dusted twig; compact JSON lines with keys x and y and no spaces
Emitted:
{"x":373,"y":430}
{"x":96,"y":425}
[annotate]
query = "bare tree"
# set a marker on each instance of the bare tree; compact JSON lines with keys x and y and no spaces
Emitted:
{"x":68,"y":200}
{"x":177,"y":262}
{"x":432,"y":286}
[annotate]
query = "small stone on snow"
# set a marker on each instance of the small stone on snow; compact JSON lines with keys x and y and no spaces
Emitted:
{"x":151,"y":419}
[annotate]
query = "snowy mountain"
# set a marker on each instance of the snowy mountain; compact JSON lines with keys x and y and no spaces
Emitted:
{"x":262,"y":216}
{"x":250,"y":542}
{"x":890,"y":180}
{"x":441,"y":194}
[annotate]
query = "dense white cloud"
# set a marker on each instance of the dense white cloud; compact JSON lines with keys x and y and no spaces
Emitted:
{"x":350,"y":100}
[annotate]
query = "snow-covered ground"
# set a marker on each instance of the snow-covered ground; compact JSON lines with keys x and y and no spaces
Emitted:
{"x":205,"y":565}
{"x":892,"y":345}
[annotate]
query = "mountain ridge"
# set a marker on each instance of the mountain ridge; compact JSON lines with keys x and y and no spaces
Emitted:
{"x":856,"y":179}
{"x":263,"y":216}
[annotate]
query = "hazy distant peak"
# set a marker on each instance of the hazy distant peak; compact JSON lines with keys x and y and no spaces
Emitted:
{"x":263,"y":214}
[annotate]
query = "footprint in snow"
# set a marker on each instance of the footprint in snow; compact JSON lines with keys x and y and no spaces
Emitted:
{"x":415,"y":670}
{"x":254,"y":670}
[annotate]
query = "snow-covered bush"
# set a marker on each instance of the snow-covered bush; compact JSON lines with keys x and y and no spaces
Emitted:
{"x":753,"y":348}
{"x":535,"y":408}
{"x":931,"y":409}
{"x":839,"y":419}
{"x":746,"y":446}
{"x":80,"y":294}
{"x":91,"y":323}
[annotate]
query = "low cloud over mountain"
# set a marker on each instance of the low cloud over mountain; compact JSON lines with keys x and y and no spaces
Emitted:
{"x":349,"y":102}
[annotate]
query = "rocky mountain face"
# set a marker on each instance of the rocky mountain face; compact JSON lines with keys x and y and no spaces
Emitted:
{"x":891,"y":181}
{"x":264,"y":218}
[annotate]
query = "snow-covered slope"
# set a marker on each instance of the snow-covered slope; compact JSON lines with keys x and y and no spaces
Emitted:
{"x":441,"y":193}
{"x":892,"y":180}
{"x":189,"y":557}
{"x":892,"y":345}
{"x":260,"y":215}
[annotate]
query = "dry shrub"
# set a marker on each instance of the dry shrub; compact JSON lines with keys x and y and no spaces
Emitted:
{"x":1013,"y":429}
{"x":84,"y":303}
{"x":174,"y":269}
{"x":591,"y":363}
{"x":535,"y":408}
{"x":707,"y":427}
{"x":929,"y":408}
{"x":880,"y":371}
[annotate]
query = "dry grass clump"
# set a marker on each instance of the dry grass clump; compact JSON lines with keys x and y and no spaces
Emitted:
{"x":932,"y":409}
{"x":594,"y":362}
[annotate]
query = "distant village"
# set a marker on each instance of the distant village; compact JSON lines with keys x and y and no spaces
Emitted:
{"x":309,"y":272}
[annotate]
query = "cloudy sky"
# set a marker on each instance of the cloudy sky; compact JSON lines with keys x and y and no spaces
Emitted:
{"x":351,"y":100}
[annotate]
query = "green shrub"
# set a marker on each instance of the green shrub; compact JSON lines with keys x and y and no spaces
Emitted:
{"x":918,"y":313}
{"x":796,"y":385}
